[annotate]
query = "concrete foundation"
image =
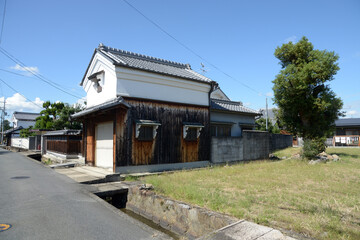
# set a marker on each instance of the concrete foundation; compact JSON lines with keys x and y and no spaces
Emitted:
{"x":161,"y":167}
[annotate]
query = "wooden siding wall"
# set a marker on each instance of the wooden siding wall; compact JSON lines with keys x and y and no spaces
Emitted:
{"x":90,"y":142}
{"x":169,"y":145}
{"x":64,"y":146}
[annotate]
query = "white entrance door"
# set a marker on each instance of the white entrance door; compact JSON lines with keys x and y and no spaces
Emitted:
{"x":104,"y":145}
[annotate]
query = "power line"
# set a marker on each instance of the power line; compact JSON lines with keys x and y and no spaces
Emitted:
{"x":39,"y":76}
{"x":23,"y":75}
{"x":3,"y":20}
{"x":187,"y":48}
{"x":19,"y":93}
{"x":2,"y":93}
{"x":15,"y":73}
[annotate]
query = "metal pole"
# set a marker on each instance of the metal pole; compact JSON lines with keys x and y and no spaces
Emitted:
{"x":2,"y":124}
{"x":266,"y":115}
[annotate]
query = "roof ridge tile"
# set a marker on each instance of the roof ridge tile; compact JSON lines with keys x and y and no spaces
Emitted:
{"x":142,"y":56}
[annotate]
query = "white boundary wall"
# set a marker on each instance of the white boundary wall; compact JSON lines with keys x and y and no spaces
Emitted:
{"x":20,"y":143}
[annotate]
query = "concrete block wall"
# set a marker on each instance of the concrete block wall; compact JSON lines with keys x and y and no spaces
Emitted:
{"x":280,"y":141}
{"x":226,"y":149}
{"x":256,"y":145}
{"x":252,"y":145}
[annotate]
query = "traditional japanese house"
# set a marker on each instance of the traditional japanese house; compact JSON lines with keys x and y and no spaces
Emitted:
{"x":230,"y":118}
{"x":347,"y":132}
{"x":144,"y":111}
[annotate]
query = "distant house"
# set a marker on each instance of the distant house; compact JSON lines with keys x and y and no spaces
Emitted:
{"x":24,"y":119}
{"x":271,"y":114}
{"x":347,"y":132}
{"x":229,"y":118}
{"x":144,"y":111}
{"x":12,"y":133}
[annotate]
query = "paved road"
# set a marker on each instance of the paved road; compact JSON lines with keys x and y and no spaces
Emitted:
{"x":42,"y":204}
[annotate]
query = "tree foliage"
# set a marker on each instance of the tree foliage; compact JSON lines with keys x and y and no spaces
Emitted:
{"x":6,"y":125}
{"x":26,"y":132}
{"x":261,"y":125}
{"x":307,"y":105}
{"x":56,"y":116}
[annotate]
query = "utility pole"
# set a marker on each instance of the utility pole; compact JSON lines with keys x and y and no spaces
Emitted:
{"x":2,"y":123}
{"x":267,"y":113}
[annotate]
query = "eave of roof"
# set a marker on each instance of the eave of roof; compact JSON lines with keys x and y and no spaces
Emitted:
{"x":13,"y":130}
{"x":103,"y":106}
{"x":347,"y":122}
{"x":63,"y":132}
{"x":231,"y":107}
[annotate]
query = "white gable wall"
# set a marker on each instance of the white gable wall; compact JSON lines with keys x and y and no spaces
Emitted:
{"x":219,"y":94}
{"x":141,"y":84}
{"x":24,"y":124}
{"x":108,"y":84}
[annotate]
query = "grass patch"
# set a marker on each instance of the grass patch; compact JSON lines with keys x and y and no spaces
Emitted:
{"x":287,"y":152}
{"x":320,"y":201}
{"x":131,"y":178}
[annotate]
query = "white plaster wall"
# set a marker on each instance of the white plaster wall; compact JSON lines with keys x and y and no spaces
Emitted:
{"x":232,"y":117}
{"x":25,"y":124}
{"x":108,"y":84}
{"x":141,"y":84}
{"x":219,"y":94}
{"x":20,"y":143}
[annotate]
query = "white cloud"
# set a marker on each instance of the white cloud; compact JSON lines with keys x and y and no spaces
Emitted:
{"x":247,"y":104}
{"x":80,"y":102}
{"x":19,"y":103}
{"x":352,"y":113}
{"x":29,"y":70}
{"x":290,"y":39}
{"x":269,"y":94}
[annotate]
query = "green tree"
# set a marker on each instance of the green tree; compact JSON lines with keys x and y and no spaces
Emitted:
{"x":261,"y":126}
{"x":307,"y":105}
{"x":6,"y":125}
{"x":26,"y":132}
{"x":57,"y":116}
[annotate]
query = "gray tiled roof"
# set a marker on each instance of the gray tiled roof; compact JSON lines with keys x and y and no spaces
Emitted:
{"x":231,"y":106}
{"x":347,"y":122}
{"x":26,"y":116}
{"x":103,"y":106}
{"x":151,"y":64}
{"x":12,"y":130}
{"x":63,"y":132}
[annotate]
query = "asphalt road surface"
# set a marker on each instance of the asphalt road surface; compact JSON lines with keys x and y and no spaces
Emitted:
{"x":39,"y":203}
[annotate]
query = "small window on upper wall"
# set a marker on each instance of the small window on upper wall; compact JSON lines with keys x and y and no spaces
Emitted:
{"x":146,"y":130}
{"x":192,"y":131}
{"x":146,"y":133}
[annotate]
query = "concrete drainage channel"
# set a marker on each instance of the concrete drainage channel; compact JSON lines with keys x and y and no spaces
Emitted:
{"x":176,"y":219}
{"x":183,"y":221}
{"x":119,"y":199}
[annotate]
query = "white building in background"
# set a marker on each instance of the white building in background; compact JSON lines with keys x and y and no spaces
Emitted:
{"x":24,"y":119}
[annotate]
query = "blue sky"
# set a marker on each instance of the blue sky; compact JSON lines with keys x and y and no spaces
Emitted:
{"x":57,"y":39}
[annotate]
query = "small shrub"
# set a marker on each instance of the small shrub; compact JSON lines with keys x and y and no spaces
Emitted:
{"x":313,"y":147}
{"x":47,"y":161}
